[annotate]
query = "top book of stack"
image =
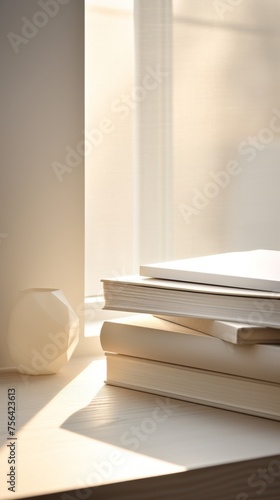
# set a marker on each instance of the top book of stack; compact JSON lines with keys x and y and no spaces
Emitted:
{"x":253,"y":269}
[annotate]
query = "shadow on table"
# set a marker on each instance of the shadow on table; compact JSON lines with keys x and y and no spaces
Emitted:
{"x":175,"y":431}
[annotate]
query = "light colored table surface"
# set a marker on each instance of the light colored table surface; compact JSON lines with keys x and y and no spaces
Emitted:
{"x":73,"y":431}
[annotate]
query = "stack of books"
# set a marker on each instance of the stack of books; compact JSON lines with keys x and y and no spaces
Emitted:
{"x":206,"y":330}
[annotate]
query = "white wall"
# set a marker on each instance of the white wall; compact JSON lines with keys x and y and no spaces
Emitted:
{"x":42,"y":108}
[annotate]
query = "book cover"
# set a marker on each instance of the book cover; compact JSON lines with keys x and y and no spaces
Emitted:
{"x":252,"y":269}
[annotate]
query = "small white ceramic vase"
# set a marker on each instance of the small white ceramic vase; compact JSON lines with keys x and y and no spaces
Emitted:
{"x":43,"y":331}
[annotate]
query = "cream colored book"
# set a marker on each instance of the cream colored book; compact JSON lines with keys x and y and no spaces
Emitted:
{"x":237,"y":333}
{"x":252,"y":269}
{"x":178,"y":298}
{"x":219,"y":390}
{"x":145,"y":336}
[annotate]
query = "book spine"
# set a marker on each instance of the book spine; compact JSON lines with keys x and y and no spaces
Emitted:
{"x":196,"y":386}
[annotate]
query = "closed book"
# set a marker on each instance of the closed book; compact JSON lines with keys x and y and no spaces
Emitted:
{"x":237,"y":333}
{"x":252,"y":269}
{"x":219,"y":390}
{"x":145,"y":336}
{"x":177,"y":298}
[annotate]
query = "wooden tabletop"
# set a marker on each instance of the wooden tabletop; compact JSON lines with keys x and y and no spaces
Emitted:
{"x":72,"y":432}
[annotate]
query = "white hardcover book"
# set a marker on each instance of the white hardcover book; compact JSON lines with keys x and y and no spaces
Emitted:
{"x":219,"y":390}
{"x":236,"y":333}
{"x":252,"y":269}
{"x":144,"y":336}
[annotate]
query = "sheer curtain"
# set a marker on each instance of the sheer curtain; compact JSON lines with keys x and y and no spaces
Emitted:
{"x":226,"y":102}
